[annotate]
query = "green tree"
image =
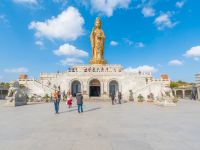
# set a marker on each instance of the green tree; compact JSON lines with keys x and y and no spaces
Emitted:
{"x":173,"y":85}
{"x":5,"y":85}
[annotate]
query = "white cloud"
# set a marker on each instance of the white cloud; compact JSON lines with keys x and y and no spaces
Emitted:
{"x":159,"y":65}
{"x":70,"y":50}
{"x":144,"y":69}
{"x":39,"y":43}
{"x":180,"y":4}
{"x":164,"y":21}
{"x":113,"y":43}
{"x":16,"y":70}
{"x":70,"y":61}
{"x":140,"y":45}
{"x":194,"y":52}
{"x":175,"y":62}
{"x":131,"y":43}
{"x":66,"y":26}
{"x":26,"y":1}
{"x":106,"y":7}
{"x":148,"y":12}
{"x":127,"y":41}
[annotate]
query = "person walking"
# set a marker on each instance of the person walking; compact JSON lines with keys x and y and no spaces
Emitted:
{"x":55,"y":99}
{"x":69,"y":100}
{"x":119,"y":97}
{"x":59,"y":98}
{"x":79,"y":99}
{"x":63,"y":95}
{"x":112,"y":98}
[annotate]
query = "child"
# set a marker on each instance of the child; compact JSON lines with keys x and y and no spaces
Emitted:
{"x":69,"y":101}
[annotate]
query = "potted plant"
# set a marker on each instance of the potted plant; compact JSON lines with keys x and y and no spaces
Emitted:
{"x":150,"y":97}
{"x":46,"y":98}
{"x":140,"y":98}
{"x":175,"y":99}
{"x":131,"y":95}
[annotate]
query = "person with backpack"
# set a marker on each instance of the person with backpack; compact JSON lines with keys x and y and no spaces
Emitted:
{"x":55,"y":99}
{"x":79,"y":98}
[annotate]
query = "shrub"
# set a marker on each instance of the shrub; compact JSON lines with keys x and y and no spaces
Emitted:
{"x":140,"y":98}
{"x":46,"y":98}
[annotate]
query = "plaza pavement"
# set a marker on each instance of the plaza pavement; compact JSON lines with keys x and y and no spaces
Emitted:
{"x":101,"y":127}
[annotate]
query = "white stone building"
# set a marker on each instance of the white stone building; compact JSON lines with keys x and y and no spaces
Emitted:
{"x":97,"y":82}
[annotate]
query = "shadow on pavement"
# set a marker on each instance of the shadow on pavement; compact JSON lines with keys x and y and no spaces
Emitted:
{"x":92,"y":109}
{"x":87,"y":110}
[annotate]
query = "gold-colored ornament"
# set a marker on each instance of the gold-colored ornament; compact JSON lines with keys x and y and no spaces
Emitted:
{"x":97,"y":39}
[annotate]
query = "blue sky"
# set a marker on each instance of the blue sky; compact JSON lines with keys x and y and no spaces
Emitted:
{"x":162,"y":36}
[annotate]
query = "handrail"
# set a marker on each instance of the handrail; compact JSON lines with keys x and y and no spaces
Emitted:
{"x":146,"y":86}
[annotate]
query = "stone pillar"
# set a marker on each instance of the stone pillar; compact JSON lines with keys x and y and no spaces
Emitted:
{"x":183,"y":93}
{"x":85,"y":90}
{"x":174,"y":93}
{"x":198,"y":93}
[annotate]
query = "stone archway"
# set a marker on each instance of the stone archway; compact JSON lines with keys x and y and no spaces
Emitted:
{"x":94,"y":88}
{"x":188,"y":94}
{"x":113,"y":87}
{"x":75,"y":87}
{"x":179,"y":93}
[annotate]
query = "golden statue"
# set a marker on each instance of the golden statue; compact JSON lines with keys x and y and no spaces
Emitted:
{"x":97,"y":39}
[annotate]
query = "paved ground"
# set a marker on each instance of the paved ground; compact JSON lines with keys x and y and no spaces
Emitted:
{"x":101,"y":127}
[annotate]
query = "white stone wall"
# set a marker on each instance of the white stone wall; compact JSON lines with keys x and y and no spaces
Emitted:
{"x":126,"y":81}
{"x":198,"y":85}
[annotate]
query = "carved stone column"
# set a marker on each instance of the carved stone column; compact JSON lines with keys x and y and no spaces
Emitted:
{"x":198,"y":93}
{"x":183,"y":93}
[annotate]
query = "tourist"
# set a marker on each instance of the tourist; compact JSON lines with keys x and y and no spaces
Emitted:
{"x":63,"y":95}
{"x":79,"y":99}
{"x":55,"y":98}
{"x":119,"y":97}
{"x":69,"y":101}
{"x":112,"y":98}
{"x":59,"y":98}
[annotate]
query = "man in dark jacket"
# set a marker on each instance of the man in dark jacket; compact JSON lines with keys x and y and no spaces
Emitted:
{"x":79,"y":99}
{"x":112,"y":97}
{"x":119,"y":97}
{"x":59,"y":98}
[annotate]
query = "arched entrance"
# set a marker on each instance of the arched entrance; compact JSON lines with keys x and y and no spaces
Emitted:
{"x":95,"y":88}
{"x":179,"y":93}
{"x":113,"y":87}
{"x":75,"y":87}
{"x":188,"y":94}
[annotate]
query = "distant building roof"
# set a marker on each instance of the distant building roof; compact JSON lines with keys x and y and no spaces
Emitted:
{"x":164,"y":77}
{"x":23,"y":76}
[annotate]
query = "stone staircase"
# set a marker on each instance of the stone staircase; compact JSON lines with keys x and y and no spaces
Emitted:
{"x":35,"y":87}
{"x":147,"y":89}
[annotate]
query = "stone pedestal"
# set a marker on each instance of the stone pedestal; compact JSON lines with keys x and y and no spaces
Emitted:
{"x":167,"y":102}
{"x":95,"y":61}
{"x":18,"y":99}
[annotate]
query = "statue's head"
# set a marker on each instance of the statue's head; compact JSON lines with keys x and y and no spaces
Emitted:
{"x":98,"y":22}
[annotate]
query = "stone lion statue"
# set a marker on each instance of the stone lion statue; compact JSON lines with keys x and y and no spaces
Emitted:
{"x":14,"y":87}
{"x":16,"y":96}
